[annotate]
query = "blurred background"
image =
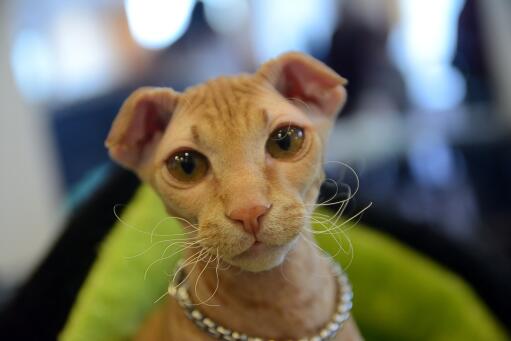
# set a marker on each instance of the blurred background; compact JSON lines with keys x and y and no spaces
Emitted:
{"x":427,"y":126}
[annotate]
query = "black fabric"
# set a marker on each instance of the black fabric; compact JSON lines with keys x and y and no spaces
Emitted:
{"x":484,"y":269}
{"x":40,"y":308}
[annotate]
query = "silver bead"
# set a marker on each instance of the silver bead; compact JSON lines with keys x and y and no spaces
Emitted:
{"x":184,"y":293}
{"x":214,"y":332}
{"x":347,"y":296}
{"x":223,"y":331}
{"x":200,"y":324}
{"x":344,"y":307}
{"x":324,"y":333}
{"x":208,"y":323}
{"x":239,"y":337}
{"x":340,"y":318}
{"x":332,"y":327}
{"x":196,"y":314}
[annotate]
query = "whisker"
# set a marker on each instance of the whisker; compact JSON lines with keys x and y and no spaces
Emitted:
{"x":287,"y":132}
{"x":338,"y":244}
{"x":175,"y":218}
{"x":167,"y":257}
{"x":161,"y":297}
{"x":350,"y":196}
{"x":173,"y":242}
{"x":202,"y":254}
{"x":122,"y":221}
{"x":336,"y":191}
{"x":351,"y":252}
{"x":197,"y":282}
{"x":301,"y":102}
{"x":217,"y":282}
{"x":334,"y":224}
{"x":183,"y":264}
{"x":176,"y":272}
{"x":186,"y":244}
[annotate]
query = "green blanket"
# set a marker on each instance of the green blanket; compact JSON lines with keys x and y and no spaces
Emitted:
{"x":399,"y":294}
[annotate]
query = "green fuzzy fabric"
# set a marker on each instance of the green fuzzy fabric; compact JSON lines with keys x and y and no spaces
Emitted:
{"x":399,"y":294}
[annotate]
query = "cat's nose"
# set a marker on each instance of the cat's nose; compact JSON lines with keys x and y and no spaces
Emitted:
{"x":250,"y":217}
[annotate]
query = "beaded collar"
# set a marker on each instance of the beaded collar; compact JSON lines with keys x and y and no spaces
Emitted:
{"x":179,"y":291}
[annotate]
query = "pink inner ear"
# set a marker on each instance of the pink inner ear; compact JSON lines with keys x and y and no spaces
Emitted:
{"x":146,"y":123}
{"x":304,"y":81}
{"x":294,"y":87}
{"x":153,"y":123}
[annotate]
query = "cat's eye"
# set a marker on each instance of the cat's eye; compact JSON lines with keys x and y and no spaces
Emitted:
{"x":285,"y":142}
{"x":187,"y":166}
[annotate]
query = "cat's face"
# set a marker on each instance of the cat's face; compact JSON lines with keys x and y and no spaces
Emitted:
{"x":234,"y":156}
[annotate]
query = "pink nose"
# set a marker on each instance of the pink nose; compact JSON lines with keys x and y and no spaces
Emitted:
{"x":250,"y":217}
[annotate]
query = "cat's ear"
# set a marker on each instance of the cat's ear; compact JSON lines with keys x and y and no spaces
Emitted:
{"x":300,"y":77}
{"x":139,"y":126}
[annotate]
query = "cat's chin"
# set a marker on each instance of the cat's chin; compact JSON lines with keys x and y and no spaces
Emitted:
{"x":262,"y":257}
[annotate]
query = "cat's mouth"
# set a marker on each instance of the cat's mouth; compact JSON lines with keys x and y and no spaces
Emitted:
{"x":261,"y":256}
{"x":256,"y":249}
{"x":257,"y":246}
{"x":260,"y":252}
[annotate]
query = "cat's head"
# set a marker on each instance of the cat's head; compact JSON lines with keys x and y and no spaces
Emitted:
{"x":238,"y":157}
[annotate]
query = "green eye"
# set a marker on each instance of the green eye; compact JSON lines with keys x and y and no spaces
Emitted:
{"x":187,"y":166}
{"x":285,"y":142}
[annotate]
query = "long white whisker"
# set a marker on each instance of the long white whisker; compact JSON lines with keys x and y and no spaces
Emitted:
{"x":195,"y":260}
{"x":196,"y":255}
{"x":122,"y":221}
{"x":217,"y":281}
{"x":161,"y":297}
{"x":198,"y":279}
{"x":350,"y":196}
{"x":167,"y":257}
{"x":172,"y":241}
{"x":171,"y":218}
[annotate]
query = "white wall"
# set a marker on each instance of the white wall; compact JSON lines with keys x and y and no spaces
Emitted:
{"x":29,"y":192}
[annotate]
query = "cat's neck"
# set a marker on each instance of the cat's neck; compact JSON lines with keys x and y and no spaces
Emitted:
{"x":293,"y":300}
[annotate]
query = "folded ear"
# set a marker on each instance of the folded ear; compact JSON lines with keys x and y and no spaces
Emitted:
{"x":139,"y":126}
{"x":298,"y":76}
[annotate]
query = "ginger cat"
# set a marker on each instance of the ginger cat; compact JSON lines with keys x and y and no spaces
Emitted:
{"x":240,"y":159}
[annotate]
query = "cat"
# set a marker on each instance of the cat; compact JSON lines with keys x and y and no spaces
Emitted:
{"x":239,"y":159}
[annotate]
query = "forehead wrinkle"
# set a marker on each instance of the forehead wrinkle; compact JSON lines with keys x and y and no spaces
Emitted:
{"x":192,"y":100}
{"x":265,"y":118}
{"x":205,"y":133}
{"x":229,"y":114}
{"x":195,"y":135}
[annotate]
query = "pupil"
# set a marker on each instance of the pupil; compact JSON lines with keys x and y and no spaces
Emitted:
{"x":187,"y":163}
{"x":284,"y":142}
